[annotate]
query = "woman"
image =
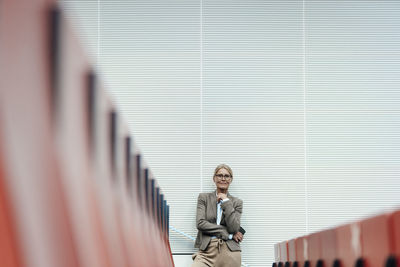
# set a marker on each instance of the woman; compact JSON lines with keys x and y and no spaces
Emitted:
{"x":218,"y":223}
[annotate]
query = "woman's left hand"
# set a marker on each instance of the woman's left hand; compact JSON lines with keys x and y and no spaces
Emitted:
{"x":238,"y":237}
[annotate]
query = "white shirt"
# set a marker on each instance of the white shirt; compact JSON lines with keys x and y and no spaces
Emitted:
{"x":219,"y":215}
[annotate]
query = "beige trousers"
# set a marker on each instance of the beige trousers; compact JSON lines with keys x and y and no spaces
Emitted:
{"x":217,"y":254}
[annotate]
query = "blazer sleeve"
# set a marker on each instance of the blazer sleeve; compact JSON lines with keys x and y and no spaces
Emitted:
{"x":232,"y":215}
{"x":205,"y":226}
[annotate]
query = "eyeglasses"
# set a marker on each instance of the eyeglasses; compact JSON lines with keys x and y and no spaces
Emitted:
{"x":226,"y":176}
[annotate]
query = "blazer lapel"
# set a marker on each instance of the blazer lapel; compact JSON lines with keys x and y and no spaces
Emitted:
{"x":223,"y":215}
{"x":213,"y":206}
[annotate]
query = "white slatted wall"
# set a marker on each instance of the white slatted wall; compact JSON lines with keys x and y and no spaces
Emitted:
{"x":301,"y":98}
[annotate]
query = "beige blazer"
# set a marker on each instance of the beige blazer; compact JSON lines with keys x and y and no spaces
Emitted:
{"x":206,"y":220}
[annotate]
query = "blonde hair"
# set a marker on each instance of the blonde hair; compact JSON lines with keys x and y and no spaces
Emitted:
{"x":223,"y":166}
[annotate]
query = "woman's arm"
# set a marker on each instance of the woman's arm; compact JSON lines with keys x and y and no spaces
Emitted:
{"x":232,"y":215}
{"x":205,"y":226}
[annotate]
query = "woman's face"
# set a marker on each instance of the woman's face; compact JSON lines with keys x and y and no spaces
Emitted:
{"x":222,"y":179}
